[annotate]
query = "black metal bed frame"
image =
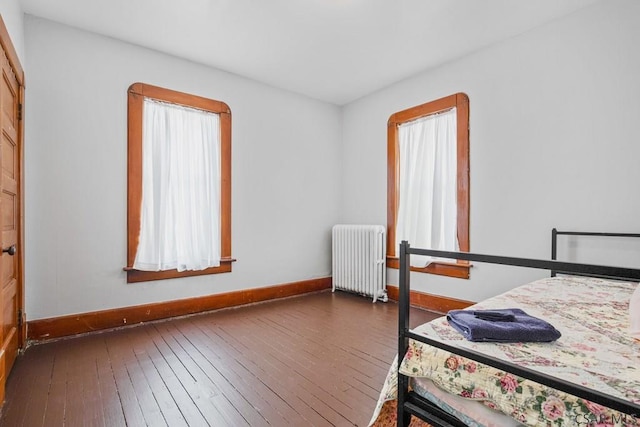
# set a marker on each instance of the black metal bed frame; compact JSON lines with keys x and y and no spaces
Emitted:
{"x":555,"y":233}
{"x":410,"y":403}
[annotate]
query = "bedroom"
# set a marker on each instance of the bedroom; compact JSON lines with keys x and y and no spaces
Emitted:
{"x":553,"y":143}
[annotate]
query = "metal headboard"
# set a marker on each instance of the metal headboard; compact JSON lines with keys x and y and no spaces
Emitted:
{"x":554,"y":242}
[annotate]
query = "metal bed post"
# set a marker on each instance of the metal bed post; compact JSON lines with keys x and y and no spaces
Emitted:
{"x":403,"y":417}
{"x":554,"y":248}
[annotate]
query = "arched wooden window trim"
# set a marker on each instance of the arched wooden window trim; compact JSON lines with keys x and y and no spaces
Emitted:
{"x":461,"y":102}
{"x":136,"y":94}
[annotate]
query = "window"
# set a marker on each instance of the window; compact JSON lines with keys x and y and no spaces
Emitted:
{"x":428,"y":182}
{"x":179,"y":185}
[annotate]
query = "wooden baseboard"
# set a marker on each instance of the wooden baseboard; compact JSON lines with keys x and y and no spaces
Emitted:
{"x":57,"y":327}
{"x":431,"y":302}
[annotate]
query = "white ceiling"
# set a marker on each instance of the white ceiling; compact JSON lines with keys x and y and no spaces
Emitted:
{"x":333,"y":50}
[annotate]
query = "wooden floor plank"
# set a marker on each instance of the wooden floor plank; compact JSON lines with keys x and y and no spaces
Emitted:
{"x":318,"y":359}
{"x":131,"y":408}
{"x":271,"y":354}
{"x":57,"y":391}
{"x":153,"y":383}
{"x":314,"y":370}
{"x":200,"y":389}
{"x":181,"y":397}
{"x":216,"y":387}
{"x":244,"y":380}
{"x":85,"y":369}
{"x":32,"y":396}
{"x":290,"y":401}
{"x":229,"y":366}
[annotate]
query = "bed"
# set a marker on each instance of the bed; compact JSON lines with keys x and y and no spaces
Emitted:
{"x":590,"y":376}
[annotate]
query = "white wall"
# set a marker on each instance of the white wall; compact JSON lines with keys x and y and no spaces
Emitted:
{"x":553,"y":143}
{"x":285,"y":185}
{"x":12,"y":15}
{"x":554,"y":140}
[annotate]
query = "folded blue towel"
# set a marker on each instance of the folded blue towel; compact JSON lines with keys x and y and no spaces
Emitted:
{"x":503,"y":325}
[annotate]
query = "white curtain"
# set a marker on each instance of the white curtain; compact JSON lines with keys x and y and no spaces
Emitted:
{"x":180,"y":220}
{"x":427,"y":208}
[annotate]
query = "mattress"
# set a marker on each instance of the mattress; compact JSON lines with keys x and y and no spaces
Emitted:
{"x":595,"y":350}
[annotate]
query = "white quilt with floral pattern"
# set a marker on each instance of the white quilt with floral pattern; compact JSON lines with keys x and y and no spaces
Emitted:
{"x":595,"y":350}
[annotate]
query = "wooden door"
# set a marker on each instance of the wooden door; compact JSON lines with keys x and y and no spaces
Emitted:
{"x":11,"y":295}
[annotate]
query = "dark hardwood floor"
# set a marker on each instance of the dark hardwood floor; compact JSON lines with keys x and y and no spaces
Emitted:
{"x":318,"y":359}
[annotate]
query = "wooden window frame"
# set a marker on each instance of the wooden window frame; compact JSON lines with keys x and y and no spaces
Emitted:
{"x":136,"y":94}
{"x":461,"y":102}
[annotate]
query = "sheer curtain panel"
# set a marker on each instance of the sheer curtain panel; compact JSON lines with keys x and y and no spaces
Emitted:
{"x":427,"y":205}
{"x":180,"y":215}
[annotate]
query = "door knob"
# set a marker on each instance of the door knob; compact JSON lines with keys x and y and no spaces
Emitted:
{"x":11,"y":250}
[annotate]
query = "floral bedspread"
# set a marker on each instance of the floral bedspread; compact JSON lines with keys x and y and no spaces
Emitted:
{"x":595,"y":350}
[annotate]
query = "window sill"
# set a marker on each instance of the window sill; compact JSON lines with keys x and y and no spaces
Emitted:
{"x":134,"y":276}
{"x":458,"y":269}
